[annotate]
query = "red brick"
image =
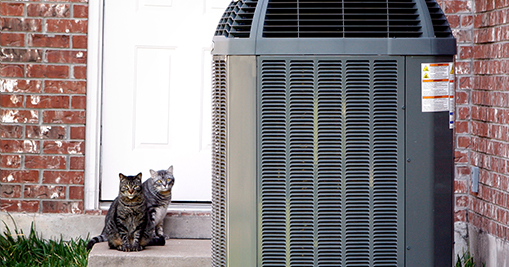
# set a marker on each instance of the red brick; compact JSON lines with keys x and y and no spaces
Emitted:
{"x":21,"y":25}
{"x":74,"y":207}
{"x":7,"y":205}
{"x":463,"y":142}
{"x":463,"y":35}
{"x":79,"y":102}
{"x":11,"y":131}
{"x":79,"y":41}
{"x":454,"y":21}
{"x":460,"y":187}
{"x":12,"y":70}
{"x":19,"y":146}
{"x":457,"y":7}
{"x":45,"y":162}
{"x":460,"y":216}
{"x":76,"y":192}
{"x":12,"y":9}
{"x":20,"y":86}
{"x":63,"y":147}
{"x":11,"y":101}
{"x":461,"y":127}
{"x":465,"y":52}
{"x":467,"y":20}
{"x":49,"y":10}
{"x":58,"y":56}
{"x":463,"y":113}
{"x":63,"y":177}
{"x":460,"y":157}
{"x":47,"y":71}
{"x":463,"y":68}
{"x":66,"y":25}
{"x":47,"y":101}
{"x":462,"y":201}
{"x":464,"y":83}
{"x":10,"y":161}
{"x":21,"y":55}
{"x":77,"y":163}
{"x":19,"y":176}
{"x":484,"y":35}
{"x":78,"y":133}
{"x":44,"y":191}
{"x":461,"y":97}
{"x":10,"y":191}
{"x":65,"y":87}
{"x":44,"y":40}
{"x":46,"y":132}
{"x":80,"y":72}
{"x":462,"y":172}
{"x":66,"y":117}
{"x":81,"y":11}
{"x":19,"y":116}
{"x":12,"y":39}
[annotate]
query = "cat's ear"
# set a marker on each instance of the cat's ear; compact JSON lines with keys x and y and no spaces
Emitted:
{"x":138,"y":176}
{"x":170,"y":170}
{"x":122,"y":177}
{"x":153,"y":173}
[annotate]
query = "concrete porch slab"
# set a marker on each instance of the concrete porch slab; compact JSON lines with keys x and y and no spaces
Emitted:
{"x":176,"y":253}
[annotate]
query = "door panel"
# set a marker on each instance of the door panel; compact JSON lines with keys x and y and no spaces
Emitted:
{"x":156,"y":92}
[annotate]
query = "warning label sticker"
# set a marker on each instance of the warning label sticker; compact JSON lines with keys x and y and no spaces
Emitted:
{"x":435,"y":87}
{"x":452,"y":100}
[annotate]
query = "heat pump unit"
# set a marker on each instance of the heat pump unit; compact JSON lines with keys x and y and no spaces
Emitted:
{"x":332,"y":134}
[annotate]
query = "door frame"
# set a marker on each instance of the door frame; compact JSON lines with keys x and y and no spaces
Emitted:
{"x":94,"y":104}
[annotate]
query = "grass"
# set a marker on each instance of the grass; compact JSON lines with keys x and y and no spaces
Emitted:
{"x":18,"y":249}
{"x":466,"y":260}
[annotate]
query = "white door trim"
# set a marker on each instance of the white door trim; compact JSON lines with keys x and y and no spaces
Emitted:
{"x":94,"y":102}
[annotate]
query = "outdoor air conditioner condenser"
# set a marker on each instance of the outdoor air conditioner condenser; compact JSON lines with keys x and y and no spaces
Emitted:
{"x":332,"y":139}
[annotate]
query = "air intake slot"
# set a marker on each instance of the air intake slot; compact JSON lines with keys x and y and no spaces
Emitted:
{"x":330,"y":169}
{"x":237,"y":19}
{"x":219,"y":161}
{"x":342,"y":19}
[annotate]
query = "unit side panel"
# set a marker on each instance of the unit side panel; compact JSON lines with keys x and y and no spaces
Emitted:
{"x":429,"y":172}
{"x":241,"y":161}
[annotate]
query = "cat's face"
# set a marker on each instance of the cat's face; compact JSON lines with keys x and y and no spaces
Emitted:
{"x":130,"y":186}
{"x":163,"y":180}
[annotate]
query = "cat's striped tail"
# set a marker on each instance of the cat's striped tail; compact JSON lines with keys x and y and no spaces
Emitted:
{"x":97,"y":239}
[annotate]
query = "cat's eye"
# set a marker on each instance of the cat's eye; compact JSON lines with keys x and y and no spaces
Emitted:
{"x":136,"y":188}
{"x":159,"y":181}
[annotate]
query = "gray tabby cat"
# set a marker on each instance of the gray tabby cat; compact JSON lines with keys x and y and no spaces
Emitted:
{"x":127,"y":227}
{"x":157,"y":191}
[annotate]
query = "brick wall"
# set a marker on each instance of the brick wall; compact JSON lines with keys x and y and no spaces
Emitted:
{"x":42,"y":86}
{"x":482,"y":138}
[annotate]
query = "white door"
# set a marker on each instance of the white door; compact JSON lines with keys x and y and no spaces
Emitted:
{"x":156,"y":92}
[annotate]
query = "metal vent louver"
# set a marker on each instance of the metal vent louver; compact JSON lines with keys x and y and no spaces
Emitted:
{"x":440,"y":24}
{"x":329,"y":168}
{"x":237,"y":19}
{"x":342,"y":19}
{"x":219,"y":162}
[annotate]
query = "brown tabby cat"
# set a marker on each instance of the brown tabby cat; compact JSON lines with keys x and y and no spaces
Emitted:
{"x":127,"y":227}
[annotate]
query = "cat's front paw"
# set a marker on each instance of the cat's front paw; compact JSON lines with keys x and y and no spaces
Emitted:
{"x":124,"y":248}
{"x":136,"y":247}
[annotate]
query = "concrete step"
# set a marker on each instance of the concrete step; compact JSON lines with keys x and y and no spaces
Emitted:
{"x":176,"y":253}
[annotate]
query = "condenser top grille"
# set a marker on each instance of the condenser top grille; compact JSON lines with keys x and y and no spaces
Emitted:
{"x":342,"y":19}
{"x":237,"y":19}
{"x":440,"y":24}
